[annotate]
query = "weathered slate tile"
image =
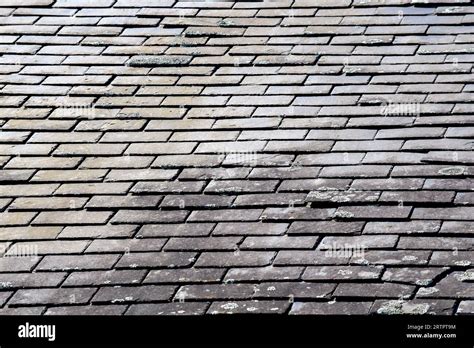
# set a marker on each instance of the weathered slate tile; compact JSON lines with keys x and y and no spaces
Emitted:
{"x":291,"y":290}
{"x":335,"y":273}
{"x":235,"y":259}
{"x":124,"y":245}
{"x":140,"y":174}
{"x":388,"y":184}
{"x":60,"y":296}
{"x":144,"y":293}
{"x":214,"y":173}
{"x":29,"y":232}
{"x":47,"y":247}
{"x":268,"y":273}
{"x":249,"y":228}
{"x":87,"y":310}
{"x":99,"y":202}
{"x":156,"y":259}
{"x":278,"y":242}
{"x":240,"y":186}
{"x":456,"y":227}
{"x":215,"y":292}
{"x":203,"y":243}
{"x":436,"y":243}
{"x":185,"y":275}
{"x":392,"y":257}
{"x":249,"y":307}
{"x":342,"y":196}
{"x":365,"y":171}
{"x":282,"y":199}
{"x":36,"y":310}
{"x":330,"y":158}
{"x":303,"y":258}
{"x":452,"y":286}
{"x":465,"y":307}
{"x":103,"y":278}
{"x":31,"y":280}
{"x":122,"y":162}
{"x":176,"y":230}
{"x":104,"y":231}
{"x":16,"y":218}
{"x":296,"y":213}
{"x":386,"y":290}
{"x":148,"y":216}
{"x":93,"y":188}
{"x":238,"y":215}
{"x":325,"y":227}
{"x":331,"y":308}
{"x":172,"y":308}
{"x":363,"y":242}
{"x":402,"y":227}
{"x":417,"y":306}
{"x":416,"y":276}
{"x":81,"y":217}
{"x":451,"y":258}
{"x":168,"y":187}
{"x":77,"y":262}
{"x":284,"y":173}
{"x":458,"y":213}
{"x":373,"y":212}
{"x":417,"y":196}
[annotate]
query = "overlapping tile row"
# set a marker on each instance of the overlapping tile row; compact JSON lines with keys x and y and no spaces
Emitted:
{"x":301,"y":157}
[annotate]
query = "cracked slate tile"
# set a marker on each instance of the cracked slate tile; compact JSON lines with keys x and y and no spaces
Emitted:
{"x":422,"y":276}
{"x":455,"y":285}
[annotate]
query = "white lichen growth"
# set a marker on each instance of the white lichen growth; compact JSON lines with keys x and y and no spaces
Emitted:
{"x":230,"y":306}
{"x":403,"y":307}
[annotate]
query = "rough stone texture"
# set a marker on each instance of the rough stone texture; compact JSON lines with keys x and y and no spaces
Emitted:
{"x":416,"y":306}
{"x":296,"y":157}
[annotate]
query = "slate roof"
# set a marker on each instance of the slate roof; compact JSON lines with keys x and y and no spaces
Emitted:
{"x":306,"y":156}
